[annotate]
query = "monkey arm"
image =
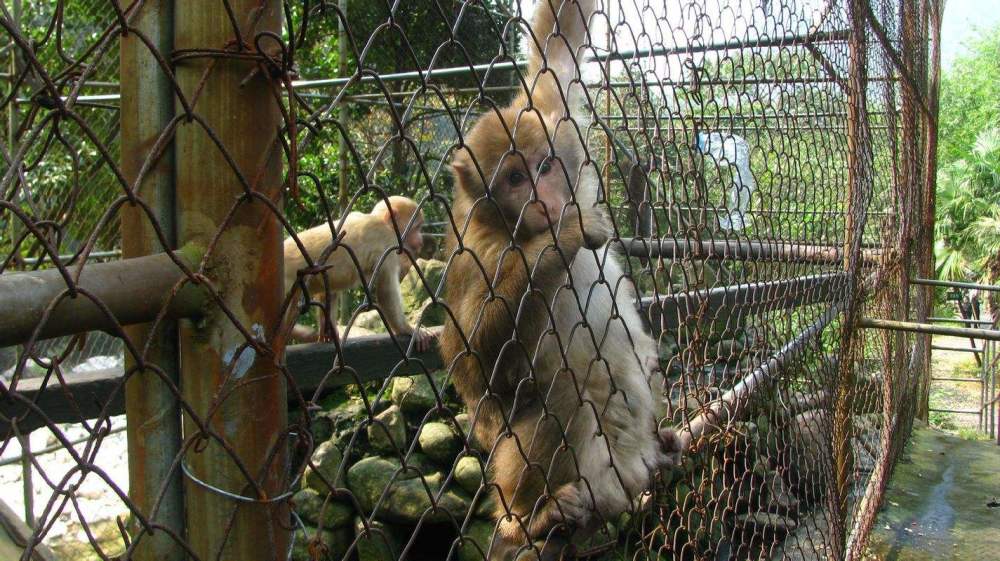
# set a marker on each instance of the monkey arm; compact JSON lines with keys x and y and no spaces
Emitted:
{"x":388,"y":297}
{"x":511,"y":322}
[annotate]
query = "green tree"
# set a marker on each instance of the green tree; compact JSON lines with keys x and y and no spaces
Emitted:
{"x":968,"y":212}
{"x":970,"y":97}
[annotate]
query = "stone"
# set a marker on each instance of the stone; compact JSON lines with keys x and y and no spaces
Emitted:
{"x":780,"y":498}
{"x":309,"y":504}
{"x":439,"y":442}
{"x":486,"y":505}
{"x":326,"y":461}
{"x":377,"y":542}
{"x":387,"y":432}
{"x":370,"y":320}
{"x":464,"y":421}
{"x":321,"y":545}
{"x":406,"y":497}
{"x":412,"y":288}
{"x":476,"y":540}
{"x":414,"y":394}
{"x":469,"y":474}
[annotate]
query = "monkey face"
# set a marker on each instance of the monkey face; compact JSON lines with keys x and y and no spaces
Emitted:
{"x":413,"y":239}
{"x":525,"y":171}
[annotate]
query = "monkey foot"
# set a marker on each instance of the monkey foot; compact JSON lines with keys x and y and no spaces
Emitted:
{"x":572,"y":506}
{"x":671,"y":446}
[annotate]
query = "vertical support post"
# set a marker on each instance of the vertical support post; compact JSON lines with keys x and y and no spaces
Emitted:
{"x":343,"y":302}
{"x":228,"y":164}
{"x":27,"y":483}
{"x":151,"y":404}
{"x":859,"y":170}
{"x":925,"y":247}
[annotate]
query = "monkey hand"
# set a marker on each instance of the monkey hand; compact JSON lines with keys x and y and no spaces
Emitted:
{"x":423,"y":339}
{"x":597,"y":229}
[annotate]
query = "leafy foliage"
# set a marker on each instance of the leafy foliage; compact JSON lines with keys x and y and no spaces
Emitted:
{"x":968,"y":211}
{"x":970,"y":97}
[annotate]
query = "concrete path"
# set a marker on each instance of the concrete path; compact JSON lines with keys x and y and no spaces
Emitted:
{"x":943,"y":502}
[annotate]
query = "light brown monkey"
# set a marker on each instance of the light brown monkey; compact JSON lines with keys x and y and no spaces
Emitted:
{"x":373,"y":240}
{"x":549,"y":352}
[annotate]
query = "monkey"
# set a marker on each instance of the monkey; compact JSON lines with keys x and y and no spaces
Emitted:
{"x":545,"y":344}
{"x":370,"y":237}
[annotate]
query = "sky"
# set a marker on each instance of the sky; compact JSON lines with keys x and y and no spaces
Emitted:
{"x":961,"y":20}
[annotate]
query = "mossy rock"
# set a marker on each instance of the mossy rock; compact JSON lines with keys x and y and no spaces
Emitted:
{"x":414,"y":394}
{"x":469,"y":474}
{"x":326,"y":461}
{"x":377,"y":542}
{"x":476,"y":540}
{"x":309,"y":504}
{"x":412,"y":289}
{"x":440,"y":442}
{"x":322,"y":545}
{"x":407,"y":498}
{"x":370,"y":320}
{"x":387,"y":432}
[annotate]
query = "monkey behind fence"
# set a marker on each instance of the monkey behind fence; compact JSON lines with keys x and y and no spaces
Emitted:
{"x":547,"y":348}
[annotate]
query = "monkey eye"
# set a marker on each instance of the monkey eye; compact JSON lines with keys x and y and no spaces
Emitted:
{"x":545,"y":167}
{"x":515,"y":178}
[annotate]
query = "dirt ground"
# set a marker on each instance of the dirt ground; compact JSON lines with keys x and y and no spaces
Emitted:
{"x":954,"y":395}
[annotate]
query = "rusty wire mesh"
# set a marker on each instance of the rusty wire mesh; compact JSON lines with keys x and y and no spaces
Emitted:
{"x":761,"y":165}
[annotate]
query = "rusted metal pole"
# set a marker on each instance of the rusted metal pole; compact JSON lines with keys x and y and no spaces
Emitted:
{"x":228,"y":164}
{"x":930,"y":328}
{"x":859,"y":188}
{"x":152,"y":408}
{"x":925,"y":246}
{"x":340,"y":306}
{"x":954,"y":284}
{"x":123,"y":292}
{"x":723,"y":249}
{"x":732,"y":405}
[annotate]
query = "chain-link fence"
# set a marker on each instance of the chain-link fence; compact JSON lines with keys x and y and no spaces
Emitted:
{"x":653,"y":233}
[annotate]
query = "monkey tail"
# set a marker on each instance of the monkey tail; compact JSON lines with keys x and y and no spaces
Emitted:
{"x":560,"y":29}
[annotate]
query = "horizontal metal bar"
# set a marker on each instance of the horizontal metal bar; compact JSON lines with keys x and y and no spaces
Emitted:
{"x":787,"y":40}
{"x":960,"y":320}
{"x":988,"y":334}
{"x":67,"y":259}
{"x":957,"y":411}
{"x":976,"y":380}
{"x":92,"y":394}
{"x":669,"y":311}
{"x":956,"y":349}
{"x":733,"y":404}
{"x":954,"y":284}
{"x":795,"y":252}
{"x":44,"y":304}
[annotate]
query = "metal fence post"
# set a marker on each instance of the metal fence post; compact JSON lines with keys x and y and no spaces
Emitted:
{"x":859,"y":170}
{"x":228,"y":172}
{"x":925,"y":245}
{"x":152,"y":406}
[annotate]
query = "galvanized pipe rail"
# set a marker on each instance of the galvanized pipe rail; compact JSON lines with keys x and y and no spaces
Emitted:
{"x":721,"y":249}
{"x":929,"y":329}
{"x":955,"y":284}
{"x":103,"y":297}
